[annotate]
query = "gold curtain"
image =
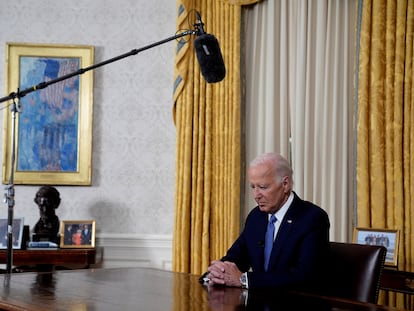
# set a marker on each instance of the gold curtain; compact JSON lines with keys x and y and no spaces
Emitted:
{"x":385,"y":129}
{"x":208,"y":152}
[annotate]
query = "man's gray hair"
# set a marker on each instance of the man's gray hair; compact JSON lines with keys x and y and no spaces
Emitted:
{"x":279,"y":163}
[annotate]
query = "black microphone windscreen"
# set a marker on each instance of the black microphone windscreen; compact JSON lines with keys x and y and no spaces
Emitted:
{"x":210,"y":58}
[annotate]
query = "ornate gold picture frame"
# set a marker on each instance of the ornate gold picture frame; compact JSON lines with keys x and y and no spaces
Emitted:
{"x":385,"y":237}
{"x":53,"y":135}
{"x":77,"y":234}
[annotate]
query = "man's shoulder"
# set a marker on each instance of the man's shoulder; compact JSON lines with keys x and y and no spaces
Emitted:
{"x":303,"y":206}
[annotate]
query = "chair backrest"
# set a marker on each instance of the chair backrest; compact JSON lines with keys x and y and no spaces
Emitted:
{"x":355,"y":271}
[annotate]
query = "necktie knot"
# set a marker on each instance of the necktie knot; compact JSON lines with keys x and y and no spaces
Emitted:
{"x":272,"y":219}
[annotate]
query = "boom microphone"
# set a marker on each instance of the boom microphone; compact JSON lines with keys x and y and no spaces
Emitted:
{"x":208,"y":54}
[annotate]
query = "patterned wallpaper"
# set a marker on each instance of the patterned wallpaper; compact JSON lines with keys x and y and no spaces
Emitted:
{"x":133,"y":158}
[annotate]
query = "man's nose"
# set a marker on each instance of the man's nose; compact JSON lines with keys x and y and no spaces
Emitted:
{"x":257,"y":192}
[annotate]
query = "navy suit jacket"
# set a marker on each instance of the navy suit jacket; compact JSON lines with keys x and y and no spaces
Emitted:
{"x":299,"y":251}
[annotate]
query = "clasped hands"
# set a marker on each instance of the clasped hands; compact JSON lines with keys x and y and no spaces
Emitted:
{"x":224,"y":273}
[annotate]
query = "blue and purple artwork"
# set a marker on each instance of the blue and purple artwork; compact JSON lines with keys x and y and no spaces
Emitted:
{"x":48,"y":121}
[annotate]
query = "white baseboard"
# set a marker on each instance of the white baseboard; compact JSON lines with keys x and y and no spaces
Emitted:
{"x":124,"y":250}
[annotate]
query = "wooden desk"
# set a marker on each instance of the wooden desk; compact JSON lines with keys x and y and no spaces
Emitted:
{"x":65,"y":257}
{"x":397,"y":281}
{"x":148,"y":289}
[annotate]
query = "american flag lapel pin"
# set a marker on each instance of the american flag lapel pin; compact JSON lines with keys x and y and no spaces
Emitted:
{"x":289,"y":221}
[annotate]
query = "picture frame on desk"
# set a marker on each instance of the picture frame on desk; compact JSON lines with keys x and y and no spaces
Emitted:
{"x":54,"y":131}
{"x":18,"y":224}
{"x":385,"y":237}
{"x":77,"y":234}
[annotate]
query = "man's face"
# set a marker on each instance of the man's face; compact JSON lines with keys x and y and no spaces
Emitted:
{"x":269,"y":192}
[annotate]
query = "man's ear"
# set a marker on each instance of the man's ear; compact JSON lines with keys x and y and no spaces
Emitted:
{"x":286,"y":183}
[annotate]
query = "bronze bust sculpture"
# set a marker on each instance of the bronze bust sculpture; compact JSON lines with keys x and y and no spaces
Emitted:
{"x":47,"y":228}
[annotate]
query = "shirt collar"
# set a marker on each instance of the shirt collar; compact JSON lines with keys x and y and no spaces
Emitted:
{"x":282,"y":211}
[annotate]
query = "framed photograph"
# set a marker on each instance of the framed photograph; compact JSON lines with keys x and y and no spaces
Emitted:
{"x":53,"y":128}
{"x":77,"y":234}
{"x":385,"y":237}
{"x":18,"y":224}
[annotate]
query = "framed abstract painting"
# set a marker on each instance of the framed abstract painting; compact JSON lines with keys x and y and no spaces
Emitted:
{"x":53,"y":128}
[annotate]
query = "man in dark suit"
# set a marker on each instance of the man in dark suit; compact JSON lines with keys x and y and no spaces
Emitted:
{"x":86,"y":236}
{"x":300,"y":241}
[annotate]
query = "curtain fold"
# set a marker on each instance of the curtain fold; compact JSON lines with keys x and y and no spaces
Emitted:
{"x":384,"y":127}
{"x":207,"y":119}
{"x":241,"y":2}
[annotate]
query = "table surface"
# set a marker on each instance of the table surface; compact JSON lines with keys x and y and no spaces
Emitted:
{"x":148,"y":289}
{"x":397,"y":281}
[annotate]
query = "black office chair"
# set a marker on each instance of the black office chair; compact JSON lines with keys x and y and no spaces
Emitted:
{"x":354,"y":271}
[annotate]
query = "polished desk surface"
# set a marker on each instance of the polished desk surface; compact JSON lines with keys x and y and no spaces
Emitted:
{"x":148,"y":289}
{"x":74,"y":258}
{"x":397,"y":281}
